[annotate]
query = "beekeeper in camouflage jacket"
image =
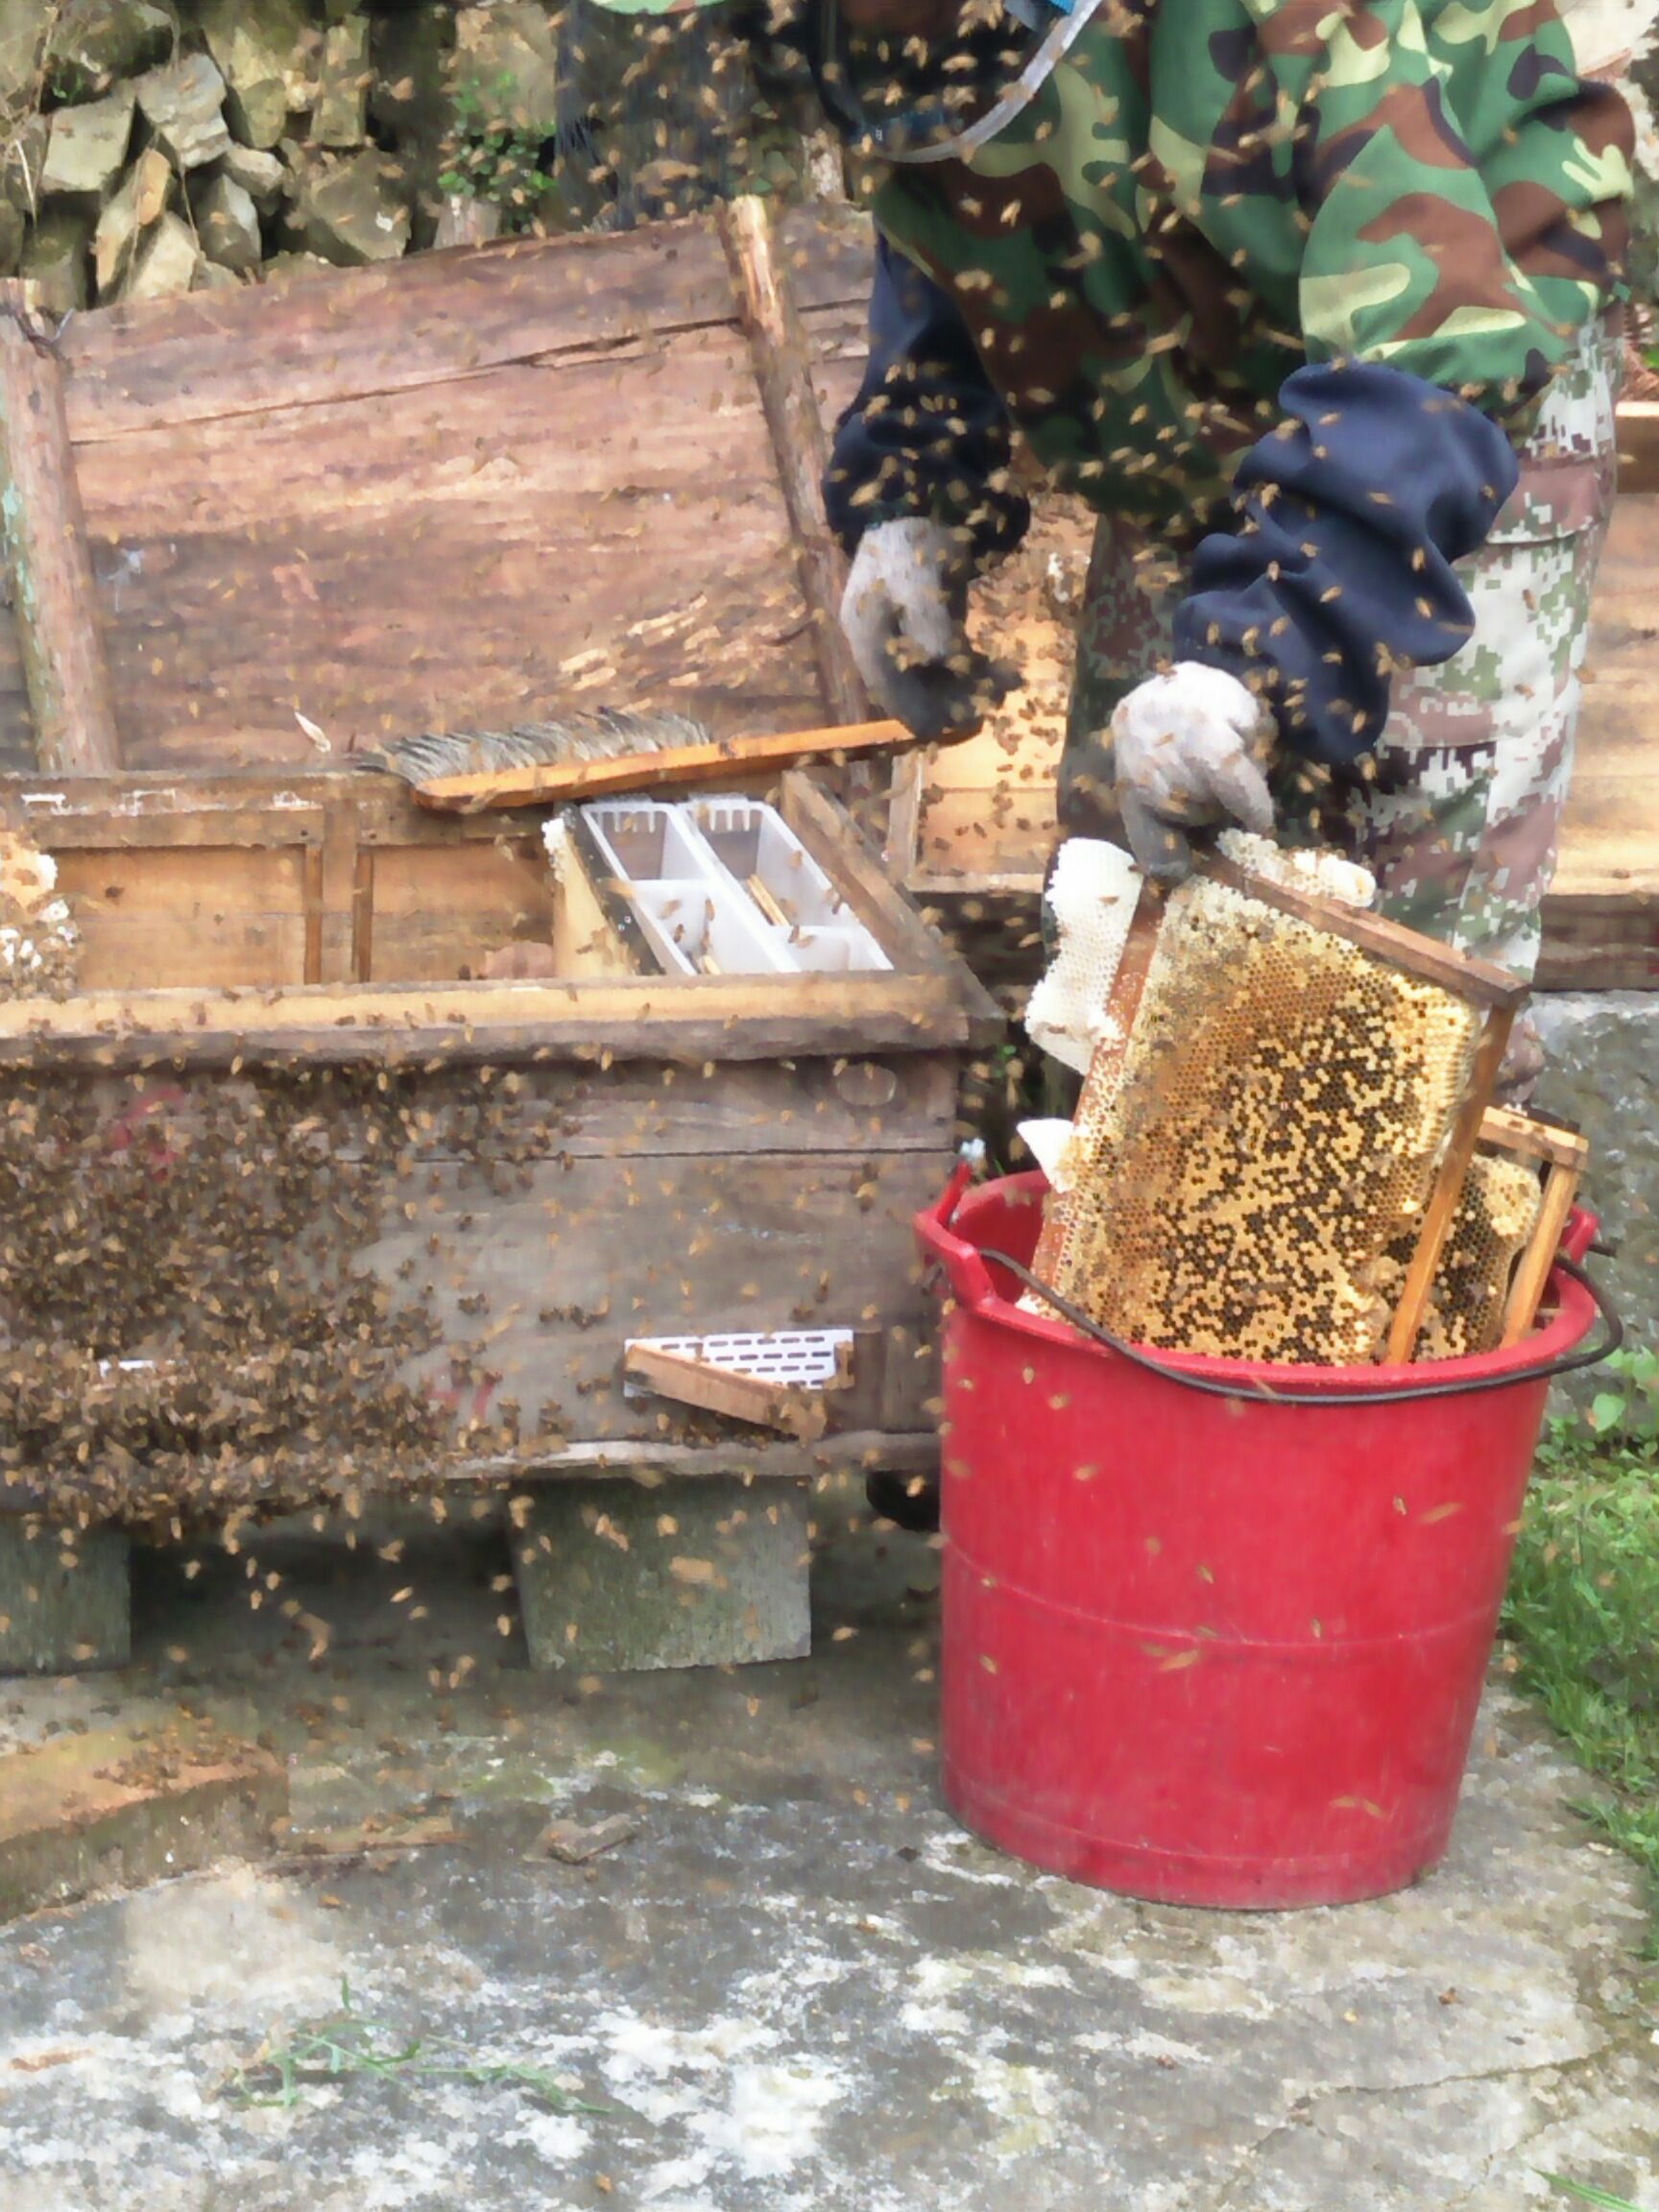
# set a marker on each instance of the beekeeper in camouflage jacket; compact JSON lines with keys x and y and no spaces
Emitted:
{"x":1311,"y":302}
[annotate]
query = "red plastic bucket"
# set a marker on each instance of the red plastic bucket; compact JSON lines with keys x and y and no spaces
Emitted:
{"x":1213,"y":1650}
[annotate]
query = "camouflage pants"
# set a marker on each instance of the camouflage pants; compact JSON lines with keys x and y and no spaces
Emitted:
{"x":1462,"y":823}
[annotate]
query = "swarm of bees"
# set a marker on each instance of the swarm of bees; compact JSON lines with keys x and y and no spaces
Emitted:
{"x":189,"y":1334}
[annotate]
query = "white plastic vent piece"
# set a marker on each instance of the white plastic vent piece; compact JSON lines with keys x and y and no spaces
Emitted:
{"x":792,"y":1358}
{"x":1092,"y":895}
{"x":697,"y":918}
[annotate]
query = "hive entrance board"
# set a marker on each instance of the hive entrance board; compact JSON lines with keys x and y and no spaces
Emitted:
{"x":1300,"y":1085}
{"x":777,"y":1378}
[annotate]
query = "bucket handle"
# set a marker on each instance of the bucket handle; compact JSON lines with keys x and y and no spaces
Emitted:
{"x":1391,"y":1394}
{"x":971,"y":1282}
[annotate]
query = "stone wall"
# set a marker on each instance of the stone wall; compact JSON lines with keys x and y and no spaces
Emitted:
{"x":153,"y":147}
{"x":1603,"y":1074}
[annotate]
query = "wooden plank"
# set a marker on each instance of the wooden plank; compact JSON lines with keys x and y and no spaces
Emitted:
{"x":725,"y":760}
{"x":441,"y":911}
{"x":824,"y":830}
{"x":687,"y":1019}
{"x":311,"y":895}
{"x":305,"y":583}
{"x":72,"y":706}
{"x":857,"y":1451}
{"x":781,"y":353}
{"x":141,"y":808}
{"x":899,"y":848}
{"x":1511,"y":1132}
{"x":634,"y":1110}
{"x":432,"y":319}
{"x":1526,"y":1290}
{"x":798,"y":1412}
{"x":536,"y":1283}
{"x":231,"y":919}
{"x":363,"y":917}
{"x":337,"y":882}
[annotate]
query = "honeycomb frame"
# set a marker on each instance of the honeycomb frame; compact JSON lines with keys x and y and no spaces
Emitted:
{"x":1111,"y":1243}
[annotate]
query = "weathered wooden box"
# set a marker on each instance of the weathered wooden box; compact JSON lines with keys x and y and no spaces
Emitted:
{"x":300,"y":1212}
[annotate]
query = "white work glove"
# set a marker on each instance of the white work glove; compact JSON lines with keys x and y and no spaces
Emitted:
{"x":1187,"y":750}
{"x":902,"y":611}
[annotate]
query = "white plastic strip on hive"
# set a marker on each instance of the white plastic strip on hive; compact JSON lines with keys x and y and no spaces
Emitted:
{"x":792,"y":1359}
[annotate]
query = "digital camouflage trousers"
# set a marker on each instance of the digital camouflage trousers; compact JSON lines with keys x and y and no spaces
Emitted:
{"x":1461,"y":821}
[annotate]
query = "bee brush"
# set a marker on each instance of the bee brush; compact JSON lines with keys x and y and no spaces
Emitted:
{"x":596,"y":755}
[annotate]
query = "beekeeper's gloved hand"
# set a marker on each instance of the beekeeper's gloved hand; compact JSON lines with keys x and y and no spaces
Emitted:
{"x":902,"y":611}
{"x":1188,"y":749}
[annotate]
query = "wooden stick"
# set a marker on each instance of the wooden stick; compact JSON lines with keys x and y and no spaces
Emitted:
{"x":783,"y":369}
{"x":558,"y":782}
{"x":763,"y":895}
{"x":1525,"y":1292}
{"x":45,"y":529}
{"x":1448,"y":1189}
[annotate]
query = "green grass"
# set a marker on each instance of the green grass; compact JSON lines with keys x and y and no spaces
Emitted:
{"x":345,"y":2045}
{"x":1585,"y":2195}
{"x":1583,"y":1602}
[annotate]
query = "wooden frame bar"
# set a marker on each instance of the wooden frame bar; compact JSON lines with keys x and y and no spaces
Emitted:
{"x":70,"y":698}
{"x":782,"y":357}
{"x":1479,"y":982}
{"x":1563,"y":1154}
{"x":1442,"y":1207}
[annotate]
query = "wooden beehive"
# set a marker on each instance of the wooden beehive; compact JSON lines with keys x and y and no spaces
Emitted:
{"x":279,"y":973}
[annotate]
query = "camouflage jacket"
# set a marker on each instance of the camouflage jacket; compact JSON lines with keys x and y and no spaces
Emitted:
{"x":1201,"y":195}
{"x":1228,"y":260}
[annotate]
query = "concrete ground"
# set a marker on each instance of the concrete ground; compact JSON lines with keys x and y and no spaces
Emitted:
{"x":799,"y":1987}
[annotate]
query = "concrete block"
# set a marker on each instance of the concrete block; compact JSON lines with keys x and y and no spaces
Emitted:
{"x":63,"y":1608}
{"x":615,"y":1576}
{"x":121,"y":1807}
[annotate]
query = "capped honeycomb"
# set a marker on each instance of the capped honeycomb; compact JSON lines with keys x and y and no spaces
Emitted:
{"x":39,"y":944}
{"x":1496,"y":1215}
{"x":1092,"y":896}
{"x":1270,"y":1134}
